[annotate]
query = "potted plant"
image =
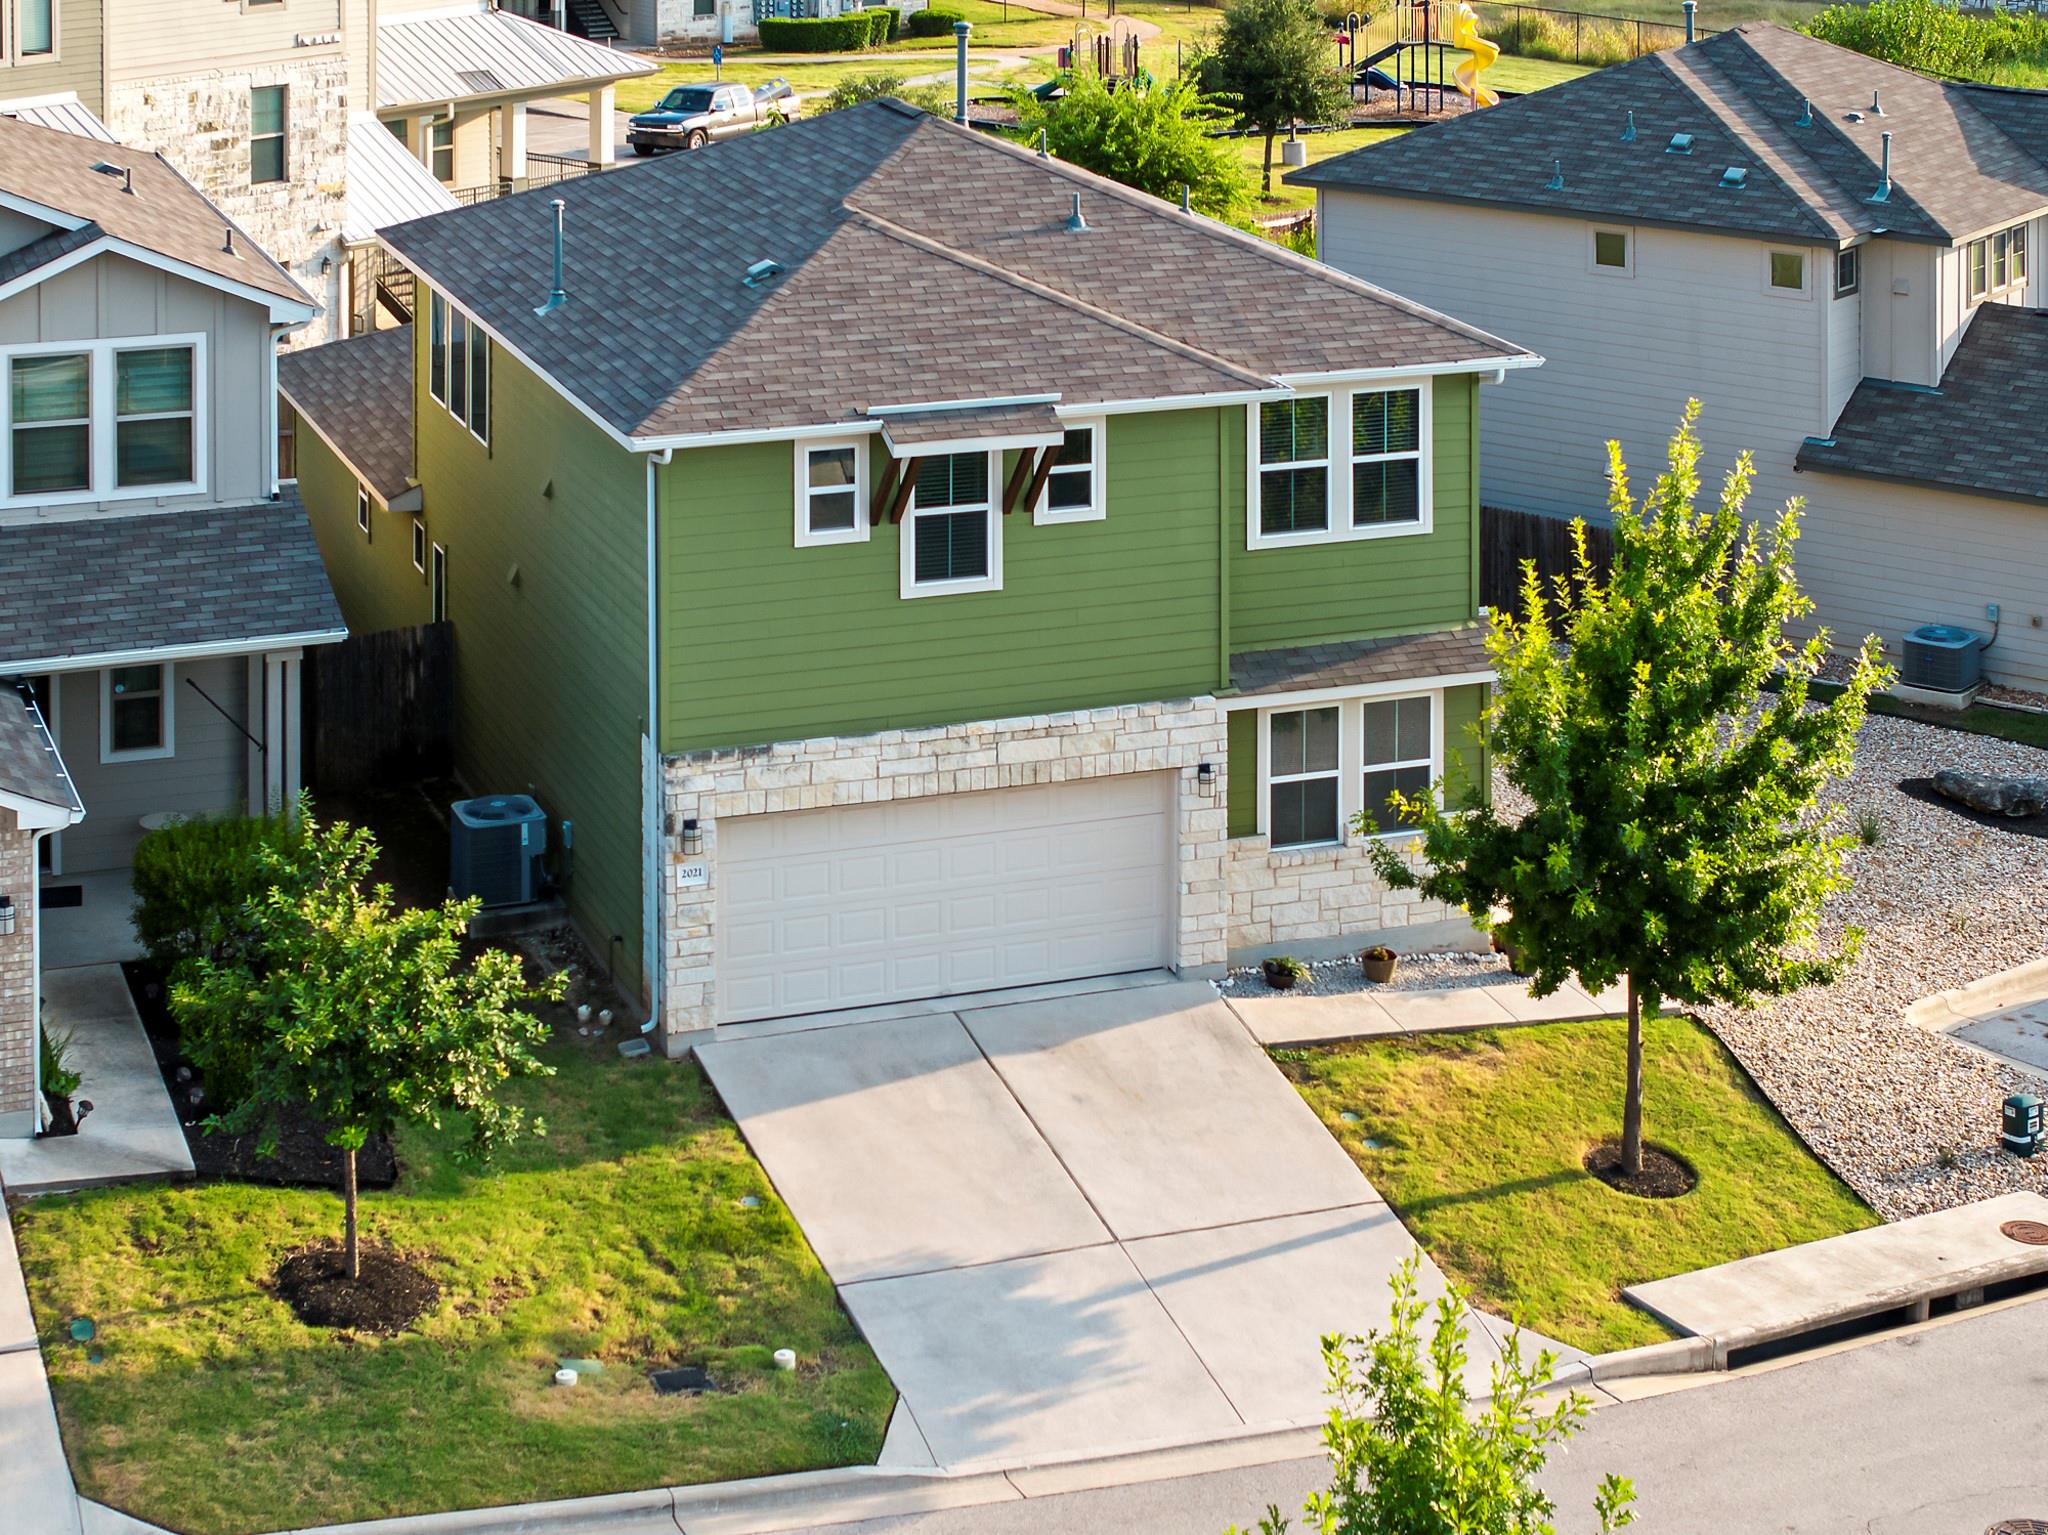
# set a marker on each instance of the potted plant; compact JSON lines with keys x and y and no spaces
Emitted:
{"x":1378,"y":963}
{"x":58,"y":1083}
{"x":1283,"y":971}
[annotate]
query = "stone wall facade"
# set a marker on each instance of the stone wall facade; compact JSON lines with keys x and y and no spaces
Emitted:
{"x":201,"y":124}
{"x":708,"y":787}
{"x":1316,"y":902}
{"x":18,"y":981}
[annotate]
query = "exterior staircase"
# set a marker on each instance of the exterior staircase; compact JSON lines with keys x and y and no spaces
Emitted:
{"x":589,"y":18}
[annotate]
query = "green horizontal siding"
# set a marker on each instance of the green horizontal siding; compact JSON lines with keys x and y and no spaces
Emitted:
{"x":546,"y":537}
{"x":1243,"y":814}
{"x":373,"y":577}
{"x":1465,"y":758}
{"x":764,"y":641}
{"x":1321,"y":592}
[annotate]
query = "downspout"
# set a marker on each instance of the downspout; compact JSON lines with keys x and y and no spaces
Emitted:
{"x":657,"y":971}
{"x":1223,"y":545}
{"x":270,"y":437}
{"x":1477,"y":512}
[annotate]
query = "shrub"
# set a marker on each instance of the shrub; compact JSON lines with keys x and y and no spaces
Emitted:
{"x":852,"y":90}
{"x":1933,"y":38}
{"x":1535,"y":35}
{"x":889,"y":25}
{"x":1155,"y":138}
{"x":59,"y":1080}
{"x":193,"y":879}
{"x":933,"y":21}
{"x":853,"y":32}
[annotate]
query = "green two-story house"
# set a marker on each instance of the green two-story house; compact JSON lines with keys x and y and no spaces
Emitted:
{"x":910,"y":565}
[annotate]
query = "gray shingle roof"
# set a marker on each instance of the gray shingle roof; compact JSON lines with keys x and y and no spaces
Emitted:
{"x":29,"y":764}
{"x":1357,"y":663}
{"x":164,"y":213}
{"x":1964,"y":158}
{"x":162,"y":581}
{"x":923,"y":262}
{"x":1980,"y":431}
{"x":358,"y":395}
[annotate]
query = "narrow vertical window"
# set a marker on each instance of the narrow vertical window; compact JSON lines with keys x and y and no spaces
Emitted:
{"x":1294,"y":467}
{"x":50,"y":424}
{"x":479,"y":383}
{"x":458,"y":366}
{"x":1301,"y":777}
{"x":363,"y":508}
{"x":1386,"y":457}
{"x":419,"y":546}
{"x":437,"y":348}
{"x":950,"y":540}
{"x":443,"y":166}
{"x":38,"y":27}
{"x":267,"y":161}
{"x":153,"y":416}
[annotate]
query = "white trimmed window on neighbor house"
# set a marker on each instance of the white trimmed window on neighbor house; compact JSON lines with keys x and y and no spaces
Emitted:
{"x":459,"y":367}
{"x":1997,"y":264}
{"x":103,"y":420}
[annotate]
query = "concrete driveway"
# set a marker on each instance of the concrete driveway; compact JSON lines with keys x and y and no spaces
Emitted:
{"x":1080,"y":1224}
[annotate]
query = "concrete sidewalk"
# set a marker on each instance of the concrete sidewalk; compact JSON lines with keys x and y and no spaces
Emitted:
{"x":36,"y":1493}
{"x":1285,"y":1018}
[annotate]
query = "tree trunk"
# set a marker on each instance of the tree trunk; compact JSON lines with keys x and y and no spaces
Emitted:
{"x":348,"y":1205}
{"x":1266,"y":185}
{"x":1632,"y":1104}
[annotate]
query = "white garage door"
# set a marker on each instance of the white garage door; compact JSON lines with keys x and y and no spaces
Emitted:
{"x":953,"y":893}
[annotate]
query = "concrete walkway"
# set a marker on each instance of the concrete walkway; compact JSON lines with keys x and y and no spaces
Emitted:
{"x":36,"y":1493}
{"x":132,"y":1131}
{"x":1085,"y":1224}
{"x":1293,"y":1018}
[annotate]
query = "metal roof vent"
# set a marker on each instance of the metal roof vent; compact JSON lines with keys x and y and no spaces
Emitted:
{"x":1681,"y":144}
{"x":762,"y":273}
{"x":1556,"y":181}
{"x":1875,"y":109}
{"x":1883,"y":194}
{"x":558,"y":294}
{"x":1628,"y":127}
{"x":127,"y":176}
{"x":1076,"y":225}
{"x":1043,"y":152}
{"x":1735,"y":177}
{"x":1805,"y":113}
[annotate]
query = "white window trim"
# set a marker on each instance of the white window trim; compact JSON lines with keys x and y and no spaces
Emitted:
{"x":437,"y":595}
{"x":169,"y":695}
{"x":1805,"y":288}
{"x":283,"y":134}
{"x":14,"y":53}
{"x":104,"y":423}
{"x":1628,"y":250}
{"x":1999,"y":292}
{"x":1338,"y":465}
{"x":419,"y":545}
{"x":1855,"y":255}
{"x":363,"y":508}
{"x":1098,"y":479}
{"x":858,"y":533}
{"x":906,"y":538}
{"x":1351,"y":764}
{"x":449,"y":313}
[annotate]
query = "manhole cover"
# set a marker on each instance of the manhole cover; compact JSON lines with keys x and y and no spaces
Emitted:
{"x":2034,"y":1234}
{"x":2019,"y":1526}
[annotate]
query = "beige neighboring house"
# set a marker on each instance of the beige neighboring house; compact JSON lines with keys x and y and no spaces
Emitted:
{"x":157,"y":590}
{"x":269,"y":107}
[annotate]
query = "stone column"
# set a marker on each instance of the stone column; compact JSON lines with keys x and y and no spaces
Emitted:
{"x":603,"y":101}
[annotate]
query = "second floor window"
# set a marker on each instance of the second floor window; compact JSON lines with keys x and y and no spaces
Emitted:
{"x":828,"y":509}
{"x":153,"y":416}
{"x":1386,"y":457}
{"x":952,"y":541}
{"x":50,"y":423}
{"x":1294,"y":467}
{"x":459,"y":366}
{"x":106,"y":420}
{"x":266,"y":134}
{"x":1997,"y":264}
{"x":37,"y":24}
{"x":1339,"y":467}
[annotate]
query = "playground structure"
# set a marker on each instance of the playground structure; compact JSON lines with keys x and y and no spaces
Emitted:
{"x":1112,"y":51}
{"x":1410,"y":54}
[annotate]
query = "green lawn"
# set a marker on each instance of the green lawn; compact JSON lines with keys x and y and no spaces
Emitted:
{"x":620,"y":1237}
{"x":1479,"y":1140}
{"x":1251,"y":148}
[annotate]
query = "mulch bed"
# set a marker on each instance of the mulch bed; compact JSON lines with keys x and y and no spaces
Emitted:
{"x":1923,"y":790}
{"x":391,"y":1294}
{"x":1664,"y":1176}
{"x":301,"y":1158}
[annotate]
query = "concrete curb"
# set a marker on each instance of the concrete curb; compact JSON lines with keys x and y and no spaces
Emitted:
{"x":1674,"y":1356}
{"x":1993,"y":993}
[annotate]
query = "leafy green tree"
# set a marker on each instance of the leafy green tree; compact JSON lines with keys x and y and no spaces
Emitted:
{"x":1409,"y":1458}
{"x":852,"y":90}
{"x":1276,"y":64}
{"x":1675,"y":836}
{"x":364,"y":1014}
{"x":1155,"y":137}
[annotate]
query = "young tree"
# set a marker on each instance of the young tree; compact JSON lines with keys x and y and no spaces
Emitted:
{"x":1153,"y":137}
{"x":1675,"y":835}
{"x":1276,"y":63}
{"x":1408,"y":1459}
{"x":364,"y":1014}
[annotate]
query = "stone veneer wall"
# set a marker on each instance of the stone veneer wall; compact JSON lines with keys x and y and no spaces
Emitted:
{"x":200,"y":123}
{"x":1314,"y":902}
{"x":18,"y":981}
{"x":951,"y":759}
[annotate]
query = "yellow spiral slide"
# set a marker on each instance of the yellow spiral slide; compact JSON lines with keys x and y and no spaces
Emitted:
{"x":1465,"y":35}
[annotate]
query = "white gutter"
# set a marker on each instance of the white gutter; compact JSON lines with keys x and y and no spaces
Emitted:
{"x":94,"y":662}
{"x":1494,"y":365}
{"x":997,"y":402}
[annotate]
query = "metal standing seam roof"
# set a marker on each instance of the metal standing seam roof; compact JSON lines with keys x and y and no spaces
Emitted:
{"x":357,"y":394}
{"x":920,"y":261}
{"x":62,"y":111}
{"x":386,"y":182}
{"x":1964,"y":158}
{"x":1980,"y":432}
{"x":426,"y":60}
{"x":30,"y":767}
{"x":103,"y":586}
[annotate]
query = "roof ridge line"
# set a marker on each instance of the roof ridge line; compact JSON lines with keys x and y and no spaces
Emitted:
{"x":892,"y":230}
{"x":1811,"y":174}
{"x":1244,"y":239}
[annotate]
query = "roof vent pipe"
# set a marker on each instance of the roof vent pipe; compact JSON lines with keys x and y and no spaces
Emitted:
{"x":1075,"y":223}
{"x":1187,"y":204}
{"x":1692,"y":10}
{"x":1628,"y":127}
{"x":1043,"y":152}
{"x":1805,"y":112}
{"x":1875,"y":109}
{"x":1556,"y":181}
{"x":1884,"y":186}
{"x":228,"y":240}
{"x":960,"y":31}
{"x":558,"y":294}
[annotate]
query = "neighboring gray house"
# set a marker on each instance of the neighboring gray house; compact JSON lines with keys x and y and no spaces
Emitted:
{"x":157,"y":593}
{"x":1838,"y":257}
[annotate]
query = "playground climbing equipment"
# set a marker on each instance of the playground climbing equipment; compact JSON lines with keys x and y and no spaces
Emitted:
{"x":1408,"y":50}
{"x":1481,"y":55}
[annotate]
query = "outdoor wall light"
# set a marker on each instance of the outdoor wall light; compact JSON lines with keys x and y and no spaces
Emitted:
{"x":6,"y":915}
{"x":693,"y":837}
{"x":1205,"y":775}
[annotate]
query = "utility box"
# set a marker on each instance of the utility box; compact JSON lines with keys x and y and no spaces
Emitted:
{"x":2022,"y":1129}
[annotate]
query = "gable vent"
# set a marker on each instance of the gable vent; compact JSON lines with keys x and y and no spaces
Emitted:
{"x":1736,"y":177}
{"x":1681,"y":144}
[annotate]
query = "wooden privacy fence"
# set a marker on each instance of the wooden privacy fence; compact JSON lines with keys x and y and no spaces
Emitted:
{"x":379,"y":708}
{"x":1509,"y":539}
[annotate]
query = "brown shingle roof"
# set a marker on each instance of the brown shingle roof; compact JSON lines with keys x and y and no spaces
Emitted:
{"x":1359,"y":663}
{"x":164,"y":213}
{"x":1964,"y":158}
{"x":921,"y":261}
{"x":357,"y":394}
{"x":29,"y":764}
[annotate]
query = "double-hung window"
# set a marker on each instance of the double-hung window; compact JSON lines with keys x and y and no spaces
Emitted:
{"x":1998,"y":264}
{"x":267,"y":160}
{"x":363,"y":508}
{"x":1294,"y":468}
{"x":135,"y":713}
{"x":1303,"y":775}
{"x":153,"y":416}
{"x":951,"y":541}
{"x":1074,"y":489}
{"x":50,"y":423}
{"x":459,"y":366}
{"x":1399,"y":754}
{"x":828,"y":481}
{"x":1386,"y":458}
{"x":441,"y":139}
{"x":103,"y":420}
{"x":37,"y":24}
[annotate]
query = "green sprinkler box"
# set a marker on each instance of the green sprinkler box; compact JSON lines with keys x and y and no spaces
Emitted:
{"x":2022,"y":1125}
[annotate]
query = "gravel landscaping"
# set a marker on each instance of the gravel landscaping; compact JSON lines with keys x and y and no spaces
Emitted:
{"x":1908,"y":1117}
{"x":1451,"y":970}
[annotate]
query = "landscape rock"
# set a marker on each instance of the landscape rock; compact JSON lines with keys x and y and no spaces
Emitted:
{"x":1993,"y":793}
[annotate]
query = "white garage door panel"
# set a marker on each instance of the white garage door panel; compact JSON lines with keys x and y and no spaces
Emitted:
{"x":927,"y":897}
